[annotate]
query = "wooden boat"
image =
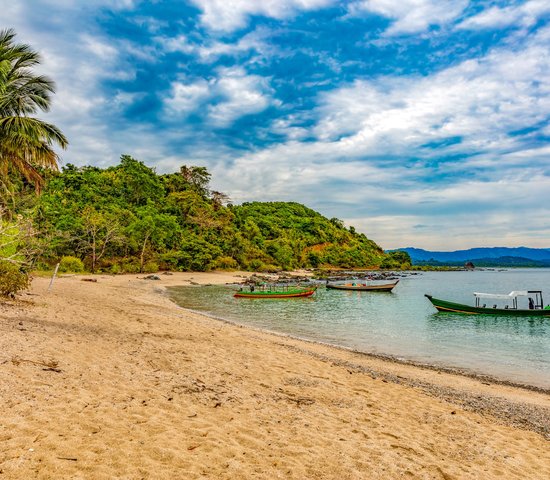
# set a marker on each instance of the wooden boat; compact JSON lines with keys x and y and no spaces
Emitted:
{"x":535,"y":305}
{"x":276,"y":292}
{"x":363,"y":287}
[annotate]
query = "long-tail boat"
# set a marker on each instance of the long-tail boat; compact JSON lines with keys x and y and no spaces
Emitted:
{"x":276,"y":292}
{"x":363,"y":287}
{"x":535,"y":305}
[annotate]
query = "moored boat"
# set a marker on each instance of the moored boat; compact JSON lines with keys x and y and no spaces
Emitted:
{"x":276,"y":292}
{"x":535,"y":304}
{"x":363,"y":287}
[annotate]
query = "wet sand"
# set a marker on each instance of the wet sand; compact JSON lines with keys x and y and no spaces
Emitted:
{"x":110,"y":379}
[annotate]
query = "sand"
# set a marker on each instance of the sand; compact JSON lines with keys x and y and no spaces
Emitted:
{"x":110,"y":379}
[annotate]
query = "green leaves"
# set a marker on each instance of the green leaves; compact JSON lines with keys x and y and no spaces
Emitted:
{"x":127,"y":218}
{"x":25,"y":142}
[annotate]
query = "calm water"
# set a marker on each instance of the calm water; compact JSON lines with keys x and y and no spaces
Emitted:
{"x":404,"y":324}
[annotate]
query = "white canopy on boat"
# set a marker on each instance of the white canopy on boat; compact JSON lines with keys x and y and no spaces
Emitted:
{"x":514,"y":294}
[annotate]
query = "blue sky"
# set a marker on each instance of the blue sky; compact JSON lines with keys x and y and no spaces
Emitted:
{"x":421,"y":122}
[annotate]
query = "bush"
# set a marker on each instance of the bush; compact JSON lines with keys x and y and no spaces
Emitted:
{"x":226,"y":263}
{"x":150,"y":267}
{"x":268,"y":268}
{"x":131,"y":265}
{"x":12,"y":279}
{"x":115,"y":269}
{"x":71,"y":264}
{"x":197,"y":255}
{"x":259,"y":266}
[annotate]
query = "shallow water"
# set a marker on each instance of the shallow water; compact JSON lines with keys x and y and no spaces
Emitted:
{"x":404,"y":324}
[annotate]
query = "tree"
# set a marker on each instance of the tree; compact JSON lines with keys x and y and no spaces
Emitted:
{"x":197,"y":177}
{"x":99,"y":230}
{"x":397,"y":259}
{"x":18,"y":240}
{"x":18,"y":251}
{"x":26,"y":143}
{"x":152,"y":227}
{"x":218,"y":199}
{"x":136,"y":182}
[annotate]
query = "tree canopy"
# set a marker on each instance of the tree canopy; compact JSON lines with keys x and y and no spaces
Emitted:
{"x":127,"y":218}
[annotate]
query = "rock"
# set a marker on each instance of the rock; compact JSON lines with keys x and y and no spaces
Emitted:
{"x":151,"y":277}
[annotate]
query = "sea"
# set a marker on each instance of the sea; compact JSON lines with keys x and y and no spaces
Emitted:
{"x":403,"y":324}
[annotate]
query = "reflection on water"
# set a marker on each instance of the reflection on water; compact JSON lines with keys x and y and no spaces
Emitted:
{"x":403,"y":323}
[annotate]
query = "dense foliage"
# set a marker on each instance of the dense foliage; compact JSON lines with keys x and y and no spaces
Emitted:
{"x":127,"y":218}
{"x":396,"y":259}
{"x":12,"y":279}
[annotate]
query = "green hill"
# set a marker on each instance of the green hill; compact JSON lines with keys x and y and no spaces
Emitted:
{"x":292,"y":235}
{"x":127,"y":218}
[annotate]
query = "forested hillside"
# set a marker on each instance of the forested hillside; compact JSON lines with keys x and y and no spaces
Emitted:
{"x":127,"y":218}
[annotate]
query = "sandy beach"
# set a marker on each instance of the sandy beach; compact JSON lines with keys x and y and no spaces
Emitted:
{"x":110,"y":379}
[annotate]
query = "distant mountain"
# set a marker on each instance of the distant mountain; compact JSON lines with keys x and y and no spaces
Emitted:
{"x":485,"y":256}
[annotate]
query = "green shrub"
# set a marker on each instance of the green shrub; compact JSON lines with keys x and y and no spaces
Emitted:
{"x":168,"y":261}
{"x":226,"y":263}
{"x":268,"y":268}
{"x":150,"y":267}
{"x":197,"y":255}
{"x":71,"y":264}
{"x":12,"y":279}
{"x":115,"y":269}
{"x":131,"y":265}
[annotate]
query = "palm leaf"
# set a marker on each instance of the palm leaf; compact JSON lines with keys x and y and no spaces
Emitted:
{"x":25,"y":142}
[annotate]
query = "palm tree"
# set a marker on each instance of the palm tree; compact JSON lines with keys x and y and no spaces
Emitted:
{"x":26,"y":143}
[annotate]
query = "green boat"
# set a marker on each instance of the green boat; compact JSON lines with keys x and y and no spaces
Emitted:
{"x":535,"y":305}
{"x":276,"y":292}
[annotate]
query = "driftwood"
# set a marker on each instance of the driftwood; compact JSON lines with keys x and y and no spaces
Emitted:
{"x":51,"y":365}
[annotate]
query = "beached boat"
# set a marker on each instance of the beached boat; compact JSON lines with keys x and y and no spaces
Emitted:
{"x":363,"y":287}
{"x":276,"y":292}
{"x":535,"y":305}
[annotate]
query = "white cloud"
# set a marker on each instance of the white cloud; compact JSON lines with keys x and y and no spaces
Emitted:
{"x":242,"y":95}
{"x":523,"y":15}
{"x":186,"y":98}
{"x":227,"y":16}
{"x":209,"y":51}
{"x":289,"y":127}
{"x":477,"y":100}
{"x":179,"y":43}
{"x":389,"y":120}
{"x":411,"y":16}
{"x":231,"y":95}
{"x":104,"y":51}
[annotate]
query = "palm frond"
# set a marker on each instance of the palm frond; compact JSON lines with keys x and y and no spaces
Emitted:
{"x":25,"y":142}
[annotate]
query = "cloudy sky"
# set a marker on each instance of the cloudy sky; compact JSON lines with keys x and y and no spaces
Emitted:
{"x":421,"y":122}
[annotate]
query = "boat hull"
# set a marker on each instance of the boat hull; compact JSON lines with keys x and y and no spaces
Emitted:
{"x":445,"y":306}
{"x":388,"y":287}
{"x":260,"y":294}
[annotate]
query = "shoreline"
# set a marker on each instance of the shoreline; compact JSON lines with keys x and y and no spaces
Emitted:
{"x":379,"y":356}
{"x":506,"y":412}
{"x":113,"y":379}
{"x":465,"y":372}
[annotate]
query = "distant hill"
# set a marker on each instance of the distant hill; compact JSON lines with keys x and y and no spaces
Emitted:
{"x":483,"y":257}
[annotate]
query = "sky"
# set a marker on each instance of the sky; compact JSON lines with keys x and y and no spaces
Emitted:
{"x":422,"y":123}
